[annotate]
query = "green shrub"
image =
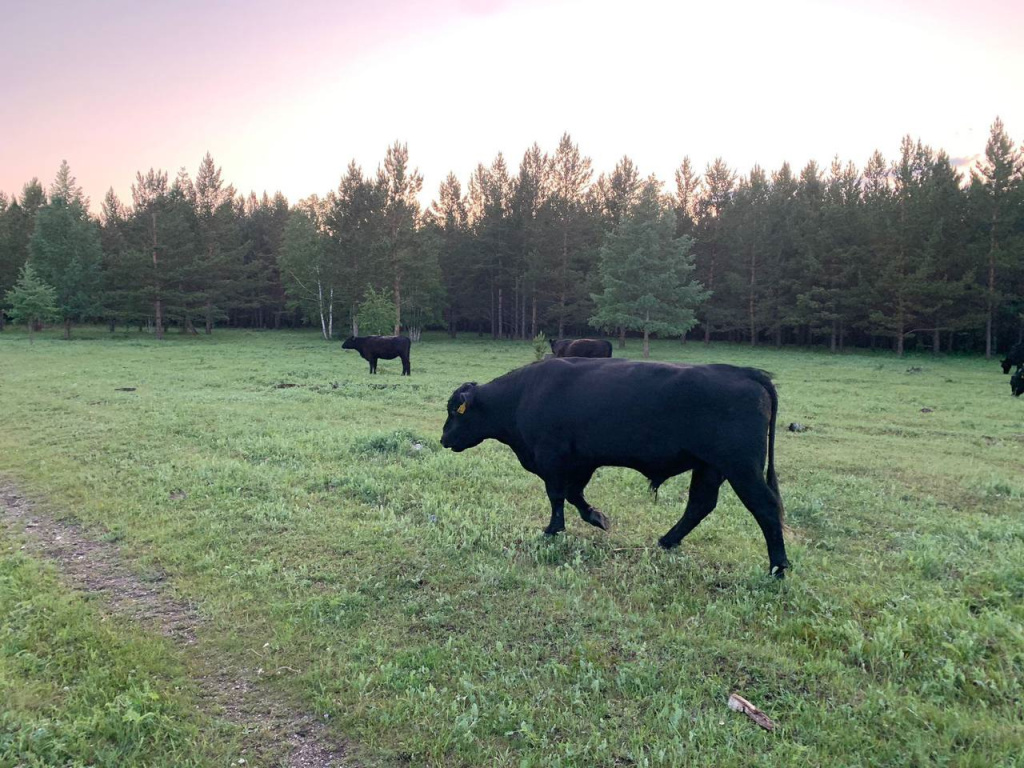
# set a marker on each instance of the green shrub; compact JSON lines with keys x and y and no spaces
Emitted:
{"x":540,"y":346}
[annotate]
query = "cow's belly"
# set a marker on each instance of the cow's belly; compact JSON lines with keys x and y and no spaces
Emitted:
{"x":660,"y":467}
{"x":647,"y":441}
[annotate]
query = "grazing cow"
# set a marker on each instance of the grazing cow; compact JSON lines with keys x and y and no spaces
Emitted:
{"x":1014,"y":358}
{"x":564,"y":418}
{"x":1017,"y":383}
{"x":581,"y":347}
{"x":373,"y":348}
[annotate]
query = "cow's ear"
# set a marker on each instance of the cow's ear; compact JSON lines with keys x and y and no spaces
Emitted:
{"x":467,"y":394}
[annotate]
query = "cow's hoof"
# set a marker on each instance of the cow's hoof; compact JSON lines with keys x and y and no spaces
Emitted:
{"x":779,"y":571}
{"x":550,"y":531}
{"x":666,"y":543}
{"x":597,"y":519}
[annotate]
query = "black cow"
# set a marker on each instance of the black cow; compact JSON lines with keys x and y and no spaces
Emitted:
{"x":374,"y":348}
{"x":564,"y":418}
{"x":581,"y":347}
{"x":1017,"y":383}
{"x":1014,"y":358}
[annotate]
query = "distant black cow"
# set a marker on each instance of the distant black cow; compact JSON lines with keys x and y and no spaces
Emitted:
{"x":1017,"y":383}
{"x":581,"y":348}
{"x":374,"y":348}
{"x":1014,"y":358}
{"x":565,"y":418}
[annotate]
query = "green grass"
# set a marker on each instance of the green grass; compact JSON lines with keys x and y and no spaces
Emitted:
{"x":77,"y":691}
{"x":407,"y":592}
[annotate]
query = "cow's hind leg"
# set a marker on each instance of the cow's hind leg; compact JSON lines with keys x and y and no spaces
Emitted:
{"x":589,"y":514}
{"x":766,"y":507}
{"x":704,"y":485}
{"x":406,"y":369}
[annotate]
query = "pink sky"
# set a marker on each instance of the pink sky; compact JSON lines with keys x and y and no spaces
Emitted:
{"x":285,"y":94}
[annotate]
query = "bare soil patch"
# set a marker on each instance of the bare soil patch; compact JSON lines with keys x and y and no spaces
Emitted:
{"x":273,"y":733}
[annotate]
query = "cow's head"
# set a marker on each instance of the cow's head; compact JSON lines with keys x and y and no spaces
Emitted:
{"x":1017,"y":383}
{"x":349,"y":343}
{"x":552,"y":342}
{"x":466,"y":425}
{"x":1005,"y":362}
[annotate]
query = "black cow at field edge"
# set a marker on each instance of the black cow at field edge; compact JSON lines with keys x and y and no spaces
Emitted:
{"x":565,"y":418}
{"x":1014,"y":358}
{"x":1017,"y":383}
{"x":581,"y":347}
{"x":373,"y":348}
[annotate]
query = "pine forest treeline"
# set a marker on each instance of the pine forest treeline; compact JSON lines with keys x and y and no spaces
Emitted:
{"x":904,"y":252}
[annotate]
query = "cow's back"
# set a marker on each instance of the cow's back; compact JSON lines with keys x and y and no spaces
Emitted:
{"x":616,"y":409}
{"x":590,"y":348}
{"x":582,"y":348}
{"x":393,"y":345}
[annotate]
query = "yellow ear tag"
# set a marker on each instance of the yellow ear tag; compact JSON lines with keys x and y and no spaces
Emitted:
{"x":461,"y":408}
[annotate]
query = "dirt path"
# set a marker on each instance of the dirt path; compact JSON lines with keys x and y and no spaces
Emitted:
{"x":273,"y":734}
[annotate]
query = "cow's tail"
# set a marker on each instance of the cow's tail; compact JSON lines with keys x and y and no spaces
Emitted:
{"x":765,"y":380}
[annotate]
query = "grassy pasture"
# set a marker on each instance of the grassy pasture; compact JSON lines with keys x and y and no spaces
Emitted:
{"x":407,"y":594}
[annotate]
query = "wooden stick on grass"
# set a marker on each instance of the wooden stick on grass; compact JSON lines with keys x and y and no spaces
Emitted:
{"x":738,"y":704}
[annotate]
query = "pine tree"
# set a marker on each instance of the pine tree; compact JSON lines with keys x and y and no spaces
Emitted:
{"x":750,"y":227}
{"x":949,"y":299}
{"x":825,"y":301}
{"x":261,"y":225}
{"x":31,"y":300}
{"x":219,"y":279}
{"x":687,"y":196}
{"x":354,"y":219}
{"x":65,"y":187}
{"x":489,"y":206}
{"x":65,"y":250}
{"x":996,"y":187}
{"x":783,"y":240}
{"x":567,"y":233}
{"x":17,"y":223}
{"x":448,"y":220}
{"x":615,"y":196}
{"x":423,"y":293}
{"x":161,"y":233}
{"x":618,"y":193}
{"x":529,"y":208}
{"x":117,"y":265}
{"x":647,"y":273}
{"x":398,"y":187}
{"x":900,"y":278}
{"x":711,"y":230}
{"x":796,"y":278}
{"x":7,"y":273}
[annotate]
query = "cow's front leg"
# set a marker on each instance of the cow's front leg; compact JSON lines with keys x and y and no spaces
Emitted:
{"x":557,"y":524}
{"x":547,"y":462}
{"x":588,"y":513}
